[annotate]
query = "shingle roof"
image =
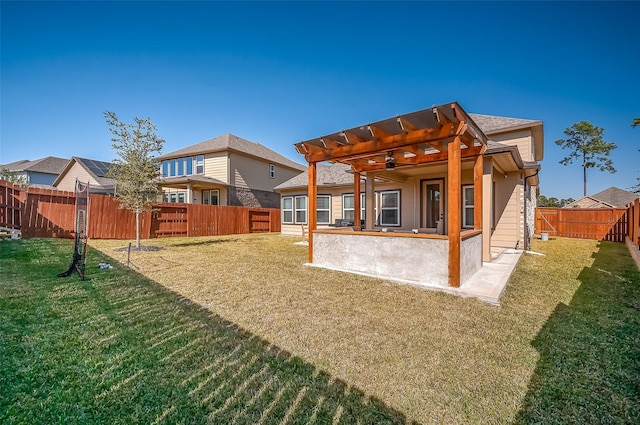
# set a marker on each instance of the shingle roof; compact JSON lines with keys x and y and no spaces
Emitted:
{"x":619,"y":198}
{"x":97,"y":169}
{"x":47,"y":165}
{"x":326,"y":175}
{"x":231,"y":142}
{"x":494,"y":124}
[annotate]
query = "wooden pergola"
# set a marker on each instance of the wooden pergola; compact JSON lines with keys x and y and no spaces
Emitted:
{"x":438,"y":134}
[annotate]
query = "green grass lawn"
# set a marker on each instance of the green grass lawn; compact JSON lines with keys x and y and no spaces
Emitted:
{"x":236,"y":330}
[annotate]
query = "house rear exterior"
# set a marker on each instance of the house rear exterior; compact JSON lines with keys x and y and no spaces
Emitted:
{"x":225,"y":170}
{"x":416,"y":197}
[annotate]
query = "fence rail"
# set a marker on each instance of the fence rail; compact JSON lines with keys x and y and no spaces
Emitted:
{"x":50,"y":213}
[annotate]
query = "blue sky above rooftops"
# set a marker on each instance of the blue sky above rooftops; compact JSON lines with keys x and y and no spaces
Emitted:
{"x":279,"y":73}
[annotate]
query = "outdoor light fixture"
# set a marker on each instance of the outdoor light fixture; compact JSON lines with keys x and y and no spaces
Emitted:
{"x":390,"y":163}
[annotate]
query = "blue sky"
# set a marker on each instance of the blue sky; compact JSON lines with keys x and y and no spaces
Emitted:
{"x":279,"y":73}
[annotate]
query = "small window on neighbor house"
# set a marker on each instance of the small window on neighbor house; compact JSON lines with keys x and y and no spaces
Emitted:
{"x":172,"y":168}
{"x":172,"y":197}
{"x":467,"y":206}
{"x":287,"y":210}
{"x":200,"y":164}
{"x":214,"y":196}
{"x":272,"y":171}
{"x":165,"y":197}
{"x":165,"y":168}
{"x":180,"y":162}
{"x":189,"y":165}
{"x":181,"y":197}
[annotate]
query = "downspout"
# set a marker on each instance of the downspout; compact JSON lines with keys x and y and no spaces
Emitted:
{"x":527,"y":241}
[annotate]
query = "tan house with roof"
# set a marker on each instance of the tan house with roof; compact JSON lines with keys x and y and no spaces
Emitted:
{"x":612,"y":197}
{"x":225,"y":170}
{"x":438,"y":177}
{"x":86,"y":170}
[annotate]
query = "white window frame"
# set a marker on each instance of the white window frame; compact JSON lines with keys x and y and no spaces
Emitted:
{"x":199,"y":162}
{"x":382,"y":209}
{"x":328,"y":209}
{"x":272,"y":171}
{"x":466,"y":207}
{"x":296,"y":209}
{"x":207,"y":196}
{"x":290,"y":198}
{"x":362,"y":205}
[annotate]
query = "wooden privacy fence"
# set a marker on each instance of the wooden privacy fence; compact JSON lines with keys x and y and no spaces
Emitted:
{"x":51,"y":213}
{"x":609,"y":224}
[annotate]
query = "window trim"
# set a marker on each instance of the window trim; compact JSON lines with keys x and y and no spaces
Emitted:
{"x":305,"y":209}
{"x":363,"y":198}
{"x":381,"y":209}
{"x":464,"y":189}
{"x":199,"y":162}
{"x":328,"y":209}
{"x":287,"y":209}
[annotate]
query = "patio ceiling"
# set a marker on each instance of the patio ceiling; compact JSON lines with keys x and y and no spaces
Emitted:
{"x":411,"y":139}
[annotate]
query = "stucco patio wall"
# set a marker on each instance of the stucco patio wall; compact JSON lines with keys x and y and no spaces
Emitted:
{"x":414,"y":260}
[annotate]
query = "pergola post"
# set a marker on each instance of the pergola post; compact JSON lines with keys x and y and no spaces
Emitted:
{"x":453,"y":211}
{"x":357,"y":222}
{"x":311,"y":206}
{"x":370,"y":206}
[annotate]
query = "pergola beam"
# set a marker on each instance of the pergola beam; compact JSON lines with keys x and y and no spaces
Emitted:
{"x":378,"y":145}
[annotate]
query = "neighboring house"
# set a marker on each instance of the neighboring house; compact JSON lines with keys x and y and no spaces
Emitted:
{"x":86,"y":170}
{"x":39,"y":172}
{"x":405,"y":184}
{"x":225,"y":170}
{"x":608,"y":198}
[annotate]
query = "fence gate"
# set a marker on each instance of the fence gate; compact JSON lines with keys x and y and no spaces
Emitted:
{"x":547,"y":221}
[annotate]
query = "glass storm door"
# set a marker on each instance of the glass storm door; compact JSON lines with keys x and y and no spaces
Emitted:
{"x":432,"y":207}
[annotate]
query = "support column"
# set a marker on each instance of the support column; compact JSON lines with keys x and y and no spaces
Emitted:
{"x":487,"y":195}
{"x":370,"y":202}
{"x":453,"y":211}
{"x":312,"y":200}
{"x":189,"y":193}
{"x":357,"y":224}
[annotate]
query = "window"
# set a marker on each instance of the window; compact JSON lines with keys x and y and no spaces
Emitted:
{"x":301,"y":209}
{"x":172,"y":168}
{"x":200,"y":164}
{"x":272,"y":171}
{"x":348,"y":205}
{"x":172,"y":197}
{"x":214,"y":196}
{"x":189,"y":164}
{"x":165,"y":197}
{"x":287,"y":210}
{"x":467,"y":206}
{"x":180,"y":163}
{"x":181,"y":196}
{"x":390,"y":208}
{"x":323,"y":209}
{"x":165,"y":168}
